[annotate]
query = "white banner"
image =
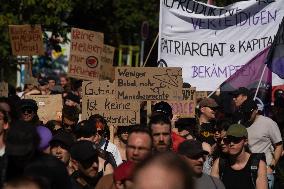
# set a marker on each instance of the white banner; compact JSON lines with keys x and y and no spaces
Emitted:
{"x":212,"y":43}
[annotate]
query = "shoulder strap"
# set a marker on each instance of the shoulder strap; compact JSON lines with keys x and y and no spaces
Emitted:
{"x":255,"y":159}
{"x":222,"y":164}
{"x":106,"y":144}
{"x":213,"y":181}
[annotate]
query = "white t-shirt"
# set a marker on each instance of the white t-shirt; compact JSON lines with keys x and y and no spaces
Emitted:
{"x":262,"y":134}
{"x":113,"y":149}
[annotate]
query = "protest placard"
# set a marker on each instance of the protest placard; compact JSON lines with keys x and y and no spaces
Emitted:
{"x":85,"y":54}
{"x":107,"y":68}
{"x":49,"y":106}
{"x":4,"y":89}
{"x":201,"y":94}
{"x":26,"y":40}
{"x":148,"y":83}
{"x":119,"y":113}
{"x":205,"y":40}
{"x":97,"y":88}
{"x":183,"y":108}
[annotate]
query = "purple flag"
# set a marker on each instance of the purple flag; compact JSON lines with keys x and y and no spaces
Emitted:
{"x":275,"y":58}
{"x":249,"y":75}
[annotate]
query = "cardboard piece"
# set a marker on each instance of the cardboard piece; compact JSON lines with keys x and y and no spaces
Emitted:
{"x":201,"y":94}
{"x":85,"y":54}
{"x":97,"y":88}
{"x":4,"y":89}
{"x":148,"y":83}
{"x":26,"y":40}
{"x":107,"y":68}
{"x":49,"y":106}
{"x":119,"y":113}
{"x":183,"y":108}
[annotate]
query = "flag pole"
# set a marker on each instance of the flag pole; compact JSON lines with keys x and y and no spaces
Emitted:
{"x":257,"y":89}
{"x":150,"y":50}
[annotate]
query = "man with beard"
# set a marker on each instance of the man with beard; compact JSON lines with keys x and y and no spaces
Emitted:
{"x":194,"y":155}
{"x":263,"y":137}
{"x":160,"y":126}
{"x":240,"y":169}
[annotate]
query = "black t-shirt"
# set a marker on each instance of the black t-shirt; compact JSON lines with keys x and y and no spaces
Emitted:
{"x":207,"y":133}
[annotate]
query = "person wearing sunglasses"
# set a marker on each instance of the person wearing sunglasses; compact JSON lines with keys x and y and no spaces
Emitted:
{"x":193,"y":153}
{"x":28,"y":112}
{"x":240,"y":169}
{"x":84,"y":164}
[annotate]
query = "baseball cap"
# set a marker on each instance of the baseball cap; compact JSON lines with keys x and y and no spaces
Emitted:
{"x":63,"y":139}
{"x":208,"y":102}
{"x":241,"y":90}
{"x":191,"y":148}
{"x":83,"y":151}
{"x":237,"y":130}
{"x":124,"y":171}
{"x":85,"y":129}
{"x":248,"y":106}
{"x":164,"y":108}
{"x":29,"y":103}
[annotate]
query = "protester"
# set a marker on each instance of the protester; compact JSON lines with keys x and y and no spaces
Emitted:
{"x":102,"y":136}
{"x":160,"y":126}
{"x":85,"y":164}
{"x":70,"y":117}
{"x":64,"y":81}
{"x":27,"y":183}
{"x":139,"y":146}
{"x":163,"y":170}
{"x":72,"y":100}
{"x":206,"y":114}
{"x":28,"y":112}
{"x":60,"y":146}
{"x":123,"y":174}
{"x":263,"y":137}
{"x":121,"y":140}
{"x":240,"y":169}
{"x":194,"y":155}
{"x":51,"y":82}
{"x":4,"y":125}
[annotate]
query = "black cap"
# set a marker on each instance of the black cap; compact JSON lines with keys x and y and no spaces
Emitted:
{"x":191,"y":148}
{"x":29,"y":103}
{"x":248,"y":106}
{"x":70,"y":112}
{"x":242,"y":90}
{"x":163,"y":107}
{"x":85,"y":129}
{"x":63,"y":139}
{"x":73,"y":97}
{"x":83,"y":151}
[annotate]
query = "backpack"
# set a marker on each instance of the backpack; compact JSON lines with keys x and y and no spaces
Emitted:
{"x":255,"y":158}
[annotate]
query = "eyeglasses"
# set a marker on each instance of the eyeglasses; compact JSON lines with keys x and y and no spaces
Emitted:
{"x":198,"y":156}
{"x":232,"y":139}
{"x":29,"y":111}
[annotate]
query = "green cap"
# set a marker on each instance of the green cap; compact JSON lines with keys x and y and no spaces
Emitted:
{"x":237,"y":130}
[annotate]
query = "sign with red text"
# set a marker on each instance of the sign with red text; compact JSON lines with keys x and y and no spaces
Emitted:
{"x":107,"y":68}
{"x":49,"y":106}
{"x":85,"y":54}
{"x":119,"y":113}
{"x":98,"y":88}
{"x":26,"y":40}
{"x":148,"y":83}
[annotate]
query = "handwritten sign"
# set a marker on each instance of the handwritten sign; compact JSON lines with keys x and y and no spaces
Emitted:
{"x":148,"y":83}
{"x":97,"y":88}
{"x":49,"y":106}
{"x":4,"y":89}
{"x":26,"y":40}
{"x":107,"y":68}
{"x":120,"y":113}
{"x":183,"y":108}
{"x":201,"y":94}
{"x":85,"y":54}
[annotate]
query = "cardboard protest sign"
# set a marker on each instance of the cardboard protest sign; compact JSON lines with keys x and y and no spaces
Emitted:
{"x":49,"y":106}
{"x":97,"y":88}
{"x":107,"y":68}
{"x":26,"y":40}
{"x":201,"y":94}
{"x":148,"y":83}
{"x":119,"y":113}
{"x":183,"y":108}
{"x":85,"y":54}
{"x":4,"y":89}
{"x":218,"y":40}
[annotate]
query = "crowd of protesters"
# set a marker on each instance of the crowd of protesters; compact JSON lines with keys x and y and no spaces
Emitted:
{"x":218,"y":149}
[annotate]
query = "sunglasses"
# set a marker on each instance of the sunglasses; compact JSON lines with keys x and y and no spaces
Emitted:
{"x":29,"y":111}
{"x":213,"y":108}
{"x":232,"y":139}
{"x":198,"y":156}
